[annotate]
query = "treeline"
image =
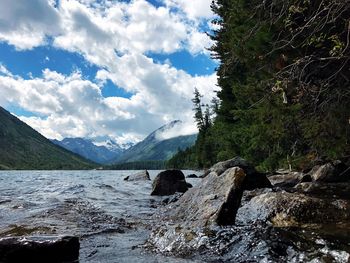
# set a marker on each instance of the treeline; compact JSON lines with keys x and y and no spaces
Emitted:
{"x":139,"y":165}
{"x":284,"y":74}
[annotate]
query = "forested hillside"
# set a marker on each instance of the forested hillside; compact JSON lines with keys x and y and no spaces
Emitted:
{"x":284,"y":73}
{"x":21,"y":147}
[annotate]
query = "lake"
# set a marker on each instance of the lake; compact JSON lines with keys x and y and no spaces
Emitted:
{"x":111,"y":216}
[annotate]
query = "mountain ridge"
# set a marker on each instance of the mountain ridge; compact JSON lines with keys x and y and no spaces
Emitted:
{"x":22,"y":147}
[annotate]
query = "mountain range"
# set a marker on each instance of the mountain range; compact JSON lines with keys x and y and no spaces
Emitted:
{"x":153,"y":148}
{"x":88,"y":149}
{"x":21,"y":147}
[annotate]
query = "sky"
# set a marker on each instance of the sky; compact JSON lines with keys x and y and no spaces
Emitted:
{"x":98,"y":68}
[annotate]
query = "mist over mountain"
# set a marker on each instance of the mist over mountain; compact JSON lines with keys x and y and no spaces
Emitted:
{"x":158,"y":145}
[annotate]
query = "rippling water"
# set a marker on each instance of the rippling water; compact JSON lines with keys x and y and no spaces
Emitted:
{"x":111,"y":216}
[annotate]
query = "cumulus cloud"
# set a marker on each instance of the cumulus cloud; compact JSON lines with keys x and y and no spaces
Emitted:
{"x":194,"y":9}
{"x":117,"y":37}
{"x":25,"y":24}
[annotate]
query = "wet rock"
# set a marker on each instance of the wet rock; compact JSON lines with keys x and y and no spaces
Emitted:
{"x":65,"y":249}
{"x":285,"y":209}
{"x":214,"y":201}
{"x":289,"y":179}
{"x":172,"y":199}
{"x":191,"y":176}
{"x":140,"y":176}
{"x":169,"y":182}
{"x":335,"y":171}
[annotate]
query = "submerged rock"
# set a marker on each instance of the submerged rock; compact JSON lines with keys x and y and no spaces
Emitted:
{"x":65,"y":249}
{"x":191,"y":176}
{"x":169,"y":182}
{"x":140,"y":176}
{"x":214,"y":201}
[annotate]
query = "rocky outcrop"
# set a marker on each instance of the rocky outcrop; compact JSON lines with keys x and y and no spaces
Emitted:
{"x":65,"y":249}
{"x":169,"y":182}
{"x":235,"y":214}
{"x":215,"y":201}
{"x":140,"y":176}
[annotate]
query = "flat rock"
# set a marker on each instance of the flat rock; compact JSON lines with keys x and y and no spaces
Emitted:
{"x":169,"y":182}
{"x":289,"y":179}
{"x":13,"y":249}
{"x":214,"y":201}
{"x":140,"y":176}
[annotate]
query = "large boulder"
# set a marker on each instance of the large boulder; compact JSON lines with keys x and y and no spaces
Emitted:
{"x":214,"y":201}
{"x":287,"y":179}
{"x":335,"y":171}
{"x":169,"y":182}
{"x":140,"y":176}
{"x":253,"y":178}
{"x":285,"y":209}
{"x":65,"y":249}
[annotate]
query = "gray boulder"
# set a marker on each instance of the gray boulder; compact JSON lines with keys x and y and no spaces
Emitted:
{"x":169,"y":182}
{"x":330,"y":172}
{"x":140,"y":176}
{"x":285,"y":209}
{"x":288,"y":179}
{"x":253,"y":178}
{"x":214,"y":201}
{"x":13,"y":249}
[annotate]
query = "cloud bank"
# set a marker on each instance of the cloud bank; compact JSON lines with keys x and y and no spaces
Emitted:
{"x":117,"y":37}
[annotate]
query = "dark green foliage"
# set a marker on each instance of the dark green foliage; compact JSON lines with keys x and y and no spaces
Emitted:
{"x":284,"y":75}
{"x":21,"y":147}
{"x":140,"y":165}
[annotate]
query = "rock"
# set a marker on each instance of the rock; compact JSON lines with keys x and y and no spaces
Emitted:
{"x":13,"y":249}
{"x":289,"y":179}
{"x":140,"y":176}
{"x":191,"y":176}
{"x":253,"y":179}
{"x":285,"y":209}
{"x":335,"y":171}
{"x":214,"y":201}
{"x":221,"y":167}
{"x":325,"y":190}
{"x":169,"y":182}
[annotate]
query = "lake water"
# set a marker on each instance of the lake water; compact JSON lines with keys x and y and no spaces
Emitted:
{"x":112,"y":217}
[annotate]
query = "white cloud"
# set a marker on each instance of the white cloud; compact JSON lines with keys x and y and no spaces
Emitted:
{"x":194,"y":9}
{"x":117,"y":37}
{"x":25,"y":24}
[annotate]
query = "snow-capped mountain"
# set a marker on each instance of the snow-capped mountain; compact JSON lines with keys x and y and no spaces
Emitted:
{"x":101,"y":152}
{"x":161,"y":144}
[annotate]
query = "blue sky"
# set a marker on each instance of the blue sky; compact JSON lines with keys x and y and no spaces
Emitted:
{"x":85,"y":68}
